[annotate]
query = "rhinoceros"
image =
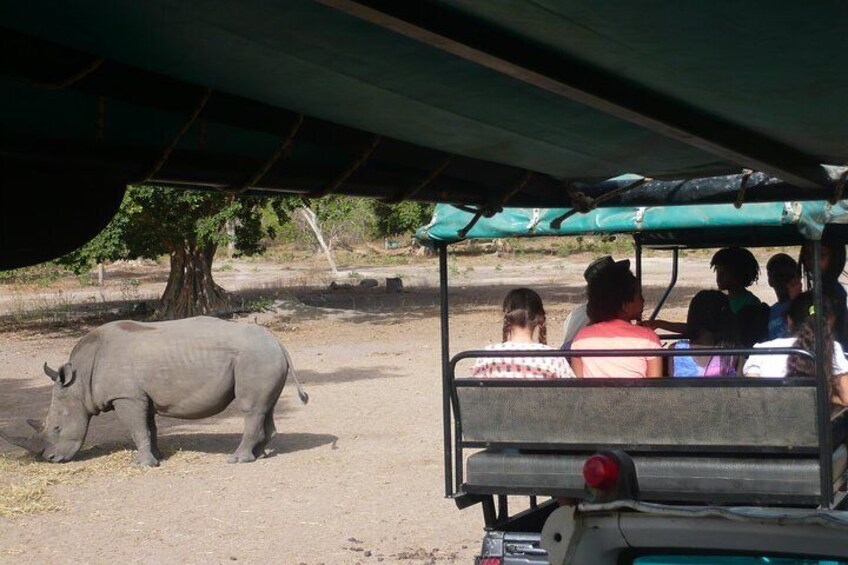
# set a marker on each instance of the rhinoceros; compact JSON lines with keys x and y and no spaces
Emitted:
{"x":189,"y":369}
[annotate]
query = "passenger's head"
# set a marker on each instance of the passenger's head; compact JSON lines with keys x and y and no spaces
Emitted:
{"x":801,"y":312}
{"x":598,"y":265}
{"x":735,"y":268}
{"x":523,"y":308}
{"x":803,"y":324}
{"x":783,"y":276}
{"x":781,"y":269}
{"x":710,"y":317}
{"x":615,"y":293}
{"x":832,"y":256}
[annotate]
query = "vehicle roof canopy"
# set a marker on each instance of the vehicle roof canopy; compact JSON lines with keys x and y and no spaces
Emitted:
{"x":708,"y":225}
{"x":490,"y":104}
{"x":520,"y":96}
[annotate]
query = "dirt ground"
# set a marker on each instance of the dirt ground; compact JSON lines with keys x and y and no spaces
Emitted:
{"x":355,"y":476}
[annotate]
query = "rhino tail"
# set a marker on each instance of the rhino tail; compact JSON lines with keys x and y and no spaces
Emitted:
{"x":300,"y":392}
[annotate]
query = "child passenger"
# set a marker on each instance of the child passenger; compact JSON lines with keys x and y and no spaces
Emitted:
{"x":736,"y":269}
{"x":784,"y":278}
{"x":615,"y":301}
{"x":524,"y":328}
{"x":709,"y":324}
{"x":802,"y":326}
{"x":832,"y":264}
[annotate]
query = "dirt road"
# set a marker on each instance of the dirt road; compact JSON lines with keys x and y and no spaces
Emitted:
{"x":355,"y":476}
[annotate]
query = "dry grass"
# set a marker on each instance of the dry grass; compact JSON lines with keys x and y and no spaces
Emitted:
{"x":26,"y":483}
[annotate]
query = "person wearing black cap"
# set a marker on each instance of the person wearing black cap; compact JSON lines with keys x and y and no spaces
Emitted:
{"x":578,"y":318}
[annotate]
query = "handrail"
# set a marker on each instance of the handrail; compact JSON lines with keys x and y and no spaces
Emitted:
{"x":501,"y":353}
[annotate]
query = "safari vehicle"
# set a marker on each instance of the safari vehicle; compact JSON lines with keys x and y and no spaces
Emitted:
{"x":711,"y":470}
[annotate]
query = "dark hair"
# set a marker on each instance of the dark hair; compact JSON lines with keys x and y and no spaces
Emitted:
{"x":804,"y":325}
{"x":523,"y":307}
{"x":782,"y":268}
{"x":837,"y":259}
{"x":608,"y":292}
{"x":710,"y":311}
{"x":740,"y":261}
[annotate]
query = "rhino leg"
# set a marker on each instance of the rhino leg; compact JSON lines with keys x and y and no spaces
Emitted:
{"x":154,"y":434}
{"x":252,"y":440}
{"x":134,"y":415}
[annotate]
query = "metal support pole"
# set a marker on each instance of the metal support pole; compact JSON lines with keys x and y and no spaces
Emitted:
{"x":637,"y":243}
{"x":446,"y":369}
{"x":822,"y":387}
{"x":671,"y":283}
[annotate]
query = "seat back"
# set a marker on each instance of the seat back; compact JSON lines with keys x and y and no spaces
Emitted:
{"x":668,"y":415}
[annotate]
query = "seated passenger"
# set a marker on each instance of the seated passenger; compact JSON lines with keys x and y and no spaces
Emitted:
{"x":736,"y":269}
{"x":578,"y":319}
{"x":615,"y":300}
{"x":785,"y":279}
{"x":709,"y":324}
{"x":802,"y":326}
{"x":832,"y":265}
{"x":524,"y":329}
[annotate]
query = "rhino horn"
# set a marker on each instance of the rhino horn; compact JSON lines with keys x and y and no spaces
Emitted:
{"x":52,"y":373}
{"x":33,"y":443}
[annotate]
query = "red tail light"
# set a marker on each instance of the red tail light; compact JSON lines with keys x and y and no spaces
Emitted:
{"x":490,"y":561}
{"x":601,"y":472}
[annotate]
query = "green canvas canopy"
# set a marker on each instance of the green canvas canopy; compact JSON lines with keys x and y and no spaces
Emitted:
{"x":487,"y":104}
{"x":709,"y":225}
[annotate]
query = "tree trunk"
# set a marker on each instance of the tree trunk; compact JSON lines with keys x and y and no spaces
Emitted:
{"x":312,"y":220}
{"x":190,"y":290}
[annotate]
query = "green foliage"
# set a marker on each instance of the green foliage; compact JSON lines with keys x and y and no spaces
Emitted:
{"x":153,"y":221}
{"x":351,"y":219}
{"x":405,"y":217}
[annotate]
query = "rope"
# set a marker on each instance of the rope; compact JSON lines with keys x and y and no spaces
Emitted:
{"x":464,"y":231}
{"x":270,"y":161}
{"x":519,"y":186}
{"x":73,"y":79}
{"x":840,"y":187}
{"x":582,"y":203}
{"x":340,"y":180}
{"x":743,"y":188}
{"x":421,"y":185}
{"x":183,"y":129}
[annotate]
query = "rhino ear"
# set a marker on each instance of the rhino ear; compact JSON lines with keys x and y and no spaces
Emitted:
{"x":36,"y":425}
{"x":67,"y":374}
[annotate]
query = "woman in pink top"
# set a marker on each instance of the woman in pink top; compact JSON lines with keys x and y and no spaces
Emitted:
{"x":524,"y":328}
{"x":615,"y":301}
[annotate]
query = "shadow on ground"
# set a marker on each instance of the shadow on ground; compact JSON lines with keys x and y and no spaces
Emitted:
{"x":213,"y":443}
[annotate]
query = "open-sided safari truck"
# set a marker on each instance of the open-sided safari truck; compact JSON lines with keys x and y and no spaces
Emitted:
{"x":655,"y":449}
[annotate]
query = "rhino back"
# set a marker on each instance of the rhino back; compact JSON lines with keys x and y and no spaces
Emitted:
{"x":188,"y":368}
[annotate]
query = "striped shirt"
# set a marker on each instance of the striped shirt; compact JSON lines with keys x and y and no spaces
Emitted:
{"x":521,"y":367}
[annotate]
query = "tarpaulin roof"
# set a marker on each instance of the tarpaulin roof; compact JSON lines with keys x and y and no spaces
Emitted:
{"x":484,"y":103}
{"x":708,"y":225}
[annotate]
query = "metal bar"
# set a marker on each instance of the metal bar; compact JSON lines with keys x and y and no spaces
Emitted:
{"x":489,"y":518}
{"x":447,"y":371}
{"x":467,"y":37}
{"x":822,"y":388}
{"x":671,"y":283}
{"x":503,"y":508}
{"x":637,"y":243}
{"x":475,"y":353}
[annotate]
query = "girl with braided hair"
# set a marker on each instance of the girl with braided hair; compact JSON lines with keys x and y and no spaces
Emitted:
{"x":524,"y":328}
{"x":802,"y":325}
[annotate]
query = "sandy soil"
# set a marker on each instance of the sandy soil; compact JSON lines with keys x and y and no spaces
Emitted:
{"x":355,"y":476}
